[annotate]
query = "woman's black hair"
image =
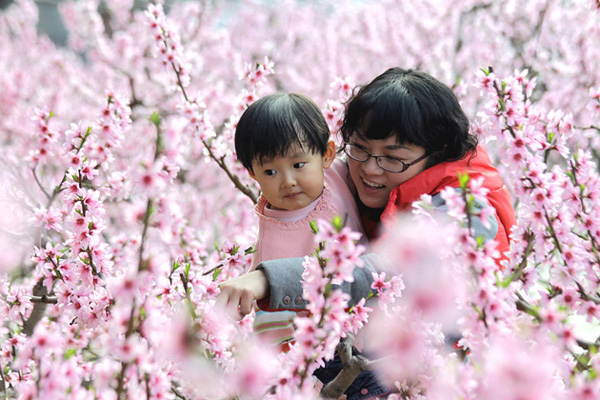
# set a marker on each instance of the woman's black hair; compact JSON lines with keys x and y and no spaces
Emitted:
{"x":272,"y":124}
{"x":414,"y":107}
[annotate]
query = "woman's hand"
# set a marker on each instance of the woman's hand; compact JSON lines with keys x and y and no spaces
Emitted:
{"x":238,"y":294}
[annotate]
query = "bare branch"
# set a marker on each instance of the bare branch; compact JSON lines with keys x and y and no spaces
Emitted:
{"x":39,"y":183}
{"x":39,"y":309}
{"x":585,"y":296}
{"x":44,"y":299}
{"x":234,"y":178}
{"x":352,"y":366}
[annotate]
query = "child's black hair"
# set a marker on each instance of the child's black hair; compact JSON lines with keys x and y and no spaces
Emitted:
{"x":272,"y":124}
{"x":414,"y":107}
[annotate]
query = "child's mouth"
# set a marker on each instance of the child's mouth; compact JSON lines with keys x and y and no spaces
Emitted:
{"x":292,"y":196}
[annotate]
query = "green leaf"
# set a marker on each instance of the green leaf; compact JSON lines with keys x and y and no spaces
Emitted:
{"x":470,"y":202}
{"x":51,"y":114}
{"x":570,"y":175}
{"x":155,"y":118}
{"x":216,"y":274}
{"x":87,"y":133}
{"x":480,"y":241}
{"x":463,"y":179}
{"x":337,"y":223}
{"x":175,"y":266}
{"x":313,"y":227}
{"x":70,"y":353}
{"x":500,"y":104}
{"x":187,"y":270}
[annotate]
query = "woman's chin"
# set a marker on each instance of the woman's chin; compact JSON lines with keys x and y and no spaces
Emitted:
{"x":374,"y":201}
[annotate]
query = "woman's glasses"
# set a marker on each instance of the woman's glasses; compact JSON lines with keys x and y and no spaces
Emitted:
{"x":386,"y":163}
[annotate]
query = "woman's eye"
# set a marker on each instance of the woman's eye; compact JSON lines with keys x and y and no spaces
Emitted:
{"x":299,"y":165}
{"x":394,"y":159}
{"x":270,"y":172}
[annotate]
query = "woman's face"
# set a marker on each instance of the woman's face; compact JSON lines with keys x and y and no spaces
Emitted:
{"x":373,"y":184}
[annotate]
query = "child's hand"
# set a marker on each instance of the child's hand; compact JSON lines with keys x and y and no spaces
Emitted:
{"x":238,"y":294}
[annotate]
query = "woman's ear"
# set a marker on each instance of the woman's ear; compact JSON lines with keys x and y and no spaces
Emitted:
{"x":329,"y":155}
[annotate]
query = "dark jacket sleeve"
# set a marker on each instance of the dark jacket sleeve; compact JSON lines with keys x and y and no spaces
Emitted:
{"x":487,"y":231}
{"x":285,"y":283}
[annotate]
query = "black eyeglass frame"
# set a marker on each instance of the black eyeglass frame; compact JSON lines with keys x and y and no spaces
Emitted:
{"x":405,"y":166}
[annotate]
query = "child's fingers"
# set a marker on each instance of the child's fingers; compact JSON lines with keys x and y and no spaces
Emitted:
{"x":246,"y":301}
{"x":238,"y":294}
{"x":228,"y":302}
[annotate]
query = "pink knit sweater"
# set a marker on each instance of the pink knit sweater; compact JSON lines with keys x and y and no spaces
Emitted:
{"x":278,"y":239}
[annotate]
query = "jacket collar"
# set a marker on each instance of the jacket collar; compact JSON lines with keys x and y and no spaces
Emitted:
{"x":432,"y":180}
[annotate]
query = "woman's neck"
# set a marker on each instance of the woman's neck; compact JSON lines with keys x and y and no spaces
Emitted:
{"x":370,"y":219}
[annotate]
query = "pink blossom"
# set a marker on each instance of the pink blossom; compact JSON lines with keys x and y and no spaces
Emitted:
{"x":521,"y":375}
{"x":360,"y":315}
{"x":50,"y":218}
{"x":110,"y":273}
{"x":20,"y":305}
{"x":379,"y":282}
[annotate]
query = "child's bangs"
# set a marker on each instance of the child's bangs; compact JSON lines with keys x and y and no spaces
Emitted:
{"x":278,"y":136}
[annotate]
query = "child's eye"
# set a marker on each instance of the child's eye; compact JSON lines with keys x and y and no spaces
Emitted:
{"x":299,"y":165}
{"x":270,"y":172}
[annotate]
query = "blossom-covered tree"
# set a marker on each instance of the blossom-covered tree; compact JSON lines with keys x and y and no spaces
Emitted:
{"x":123,"y":206}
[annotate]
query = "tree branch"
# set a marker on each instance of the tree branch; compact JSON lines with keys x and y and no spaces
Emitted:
{"x":352,"y":366}
{"x":44,"y":299}
{"x":220,"y":161}
{"x":39,"y":292}
{"x":585,"y":296}
{"x":234,"y":178}
{"x":39,"y":183}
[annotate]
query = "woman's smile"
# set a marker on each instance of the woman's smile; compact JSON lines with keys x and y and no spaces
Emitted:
{"x":372,"y":185}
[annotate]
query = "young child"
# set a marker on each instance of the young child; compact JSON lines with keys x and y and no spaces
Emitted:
{"x":283,"y":142}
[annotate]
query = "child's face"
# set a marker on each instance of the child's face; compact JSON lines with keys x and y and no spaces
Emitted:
{"x":294,"y":181}
{"x":373,"y":184}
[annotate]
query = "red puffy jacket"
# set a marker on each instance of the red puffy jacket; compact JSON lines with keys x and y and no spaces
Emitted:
{"x":432,"y":180}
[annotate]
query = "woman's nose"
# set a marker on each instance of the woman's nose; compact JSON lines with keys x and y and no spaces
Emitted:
{"x":371,"y":167}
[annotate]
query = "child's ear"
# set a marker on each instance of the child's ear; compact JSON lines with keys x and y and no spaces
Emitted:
{"x":329,"y":155}
{"x":251,"y":173}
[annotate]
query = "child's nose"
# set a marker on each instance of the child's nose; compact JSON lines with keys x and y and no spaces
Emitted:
{"x":289,"y":180}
